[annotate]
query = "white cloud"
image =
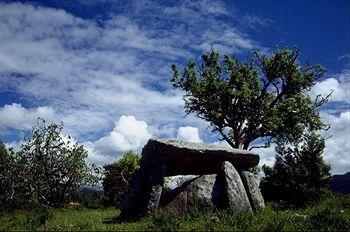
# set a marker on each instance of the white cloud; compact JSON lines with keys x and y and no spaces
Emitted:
{"x":189,"y":134}
{"x":337,"y":151}
{"x":339,"y":84}
{"x":267,"y":155}
{"x":128,"y":134}
{"x":18,"y":117}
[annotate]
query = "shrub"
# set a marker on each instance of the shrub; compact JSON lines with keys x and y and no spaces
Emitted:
{"x":298,"y":175}
{"x":48,"y":168}
{"x":118,"y":176}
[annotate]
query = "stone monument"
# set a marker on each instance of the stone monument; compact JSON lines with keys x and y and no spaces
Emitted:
{"x":224,"y":182}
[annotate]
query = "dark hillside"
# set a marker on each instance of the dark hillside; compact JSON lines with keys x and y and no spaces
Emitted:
{"x":340,"y":183}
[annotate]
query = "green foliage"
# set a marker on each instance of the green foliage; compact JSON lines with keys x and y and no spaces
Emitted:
{"x":89,"y":200}
{"x":6,"y":178}
{"x":299,"y":174}
{"x":330,"y":214}
{"x":117,"y":177}
{"x":48,"y":168}
{"x":14,"y":191}
{"x":265,"y":97}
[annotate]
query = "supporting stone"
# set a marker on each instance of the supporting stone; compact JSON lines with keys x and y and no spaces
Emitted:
{"x":255,"y":197}
{"x":238,"y":200}
{"x":156,"y":186}
{"x":133,"y":199}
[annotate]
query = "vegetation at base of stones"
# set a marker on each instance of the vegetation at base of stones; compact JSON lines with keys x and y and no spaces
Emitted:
{"x":89,"y":197}
{"x":265,"y":97}
{"x":117,"y":177}
{"x":299,"y":175}
{"x":332,"y":213}
{"x":48,"y":168}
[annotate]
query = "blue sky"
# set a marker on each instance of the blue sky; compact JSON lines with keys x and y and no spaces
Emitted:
{"x":104,"y":67}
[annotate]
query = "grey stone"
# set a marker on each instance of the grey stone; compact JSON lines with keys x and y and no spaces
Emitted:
{"x":238,"y":200}
{"x":255,"y":197}
{"x":204,"y":192}
{"x":185,"y":158}
{"x":224,"y":190}
{"x":175,"y":204}
{"x":156,"y":186}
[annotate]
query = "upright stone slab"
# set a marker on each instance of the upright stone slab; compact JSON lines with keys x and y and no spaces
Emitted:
{"x":156,"y":186}
{"x":134,"y":198}
{"x":204,"y":192}
{"x":238,"y":200}
{"x":255,"y":197}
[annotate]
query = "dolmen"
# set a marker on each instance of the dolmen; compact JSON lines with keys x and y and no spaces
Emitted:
{"x":224,"y":180}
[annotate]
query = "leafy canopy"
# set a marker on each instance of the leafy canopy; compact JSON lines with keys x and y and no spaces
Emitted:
{"x":265,"y":97}
{"x":299,"y":175}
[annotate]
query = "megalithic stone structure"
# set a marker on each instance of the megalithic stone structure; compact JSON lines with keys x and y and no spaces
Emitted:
{"x":225,"y":181}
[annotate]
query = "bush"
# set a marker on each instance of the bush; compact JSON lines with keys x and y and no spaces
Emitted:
{"x":299,"y":174}
{"x":48,"y":168}
{"x":118,"y":176}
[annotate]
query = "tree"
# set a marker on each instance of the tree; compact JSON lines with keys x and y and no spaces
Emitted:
{"x":13,"y":191}
{"x":265,"y":97}
{"x":49,"y":167}
{"x":299,"y":175}
{"x":118,"y":175}
{"x":5,"y":175}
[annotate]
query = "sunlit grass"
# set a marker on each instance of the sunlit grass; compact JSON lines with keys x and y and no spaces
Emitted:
{"x":332,"y":214}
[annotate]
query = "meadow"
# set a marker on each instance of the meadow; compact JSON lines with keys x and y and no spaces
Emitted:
{"x":331,"y":214}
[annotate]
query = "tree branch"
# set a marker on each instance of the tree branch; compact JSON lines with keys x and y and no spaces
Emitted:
{"x":228,"y":140}
{"x":253,"y":147}
{"x":123,"y":178}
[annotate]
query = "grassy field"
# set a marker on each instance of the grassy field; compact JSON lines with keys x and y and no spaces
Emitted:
{"x":331,"y":214}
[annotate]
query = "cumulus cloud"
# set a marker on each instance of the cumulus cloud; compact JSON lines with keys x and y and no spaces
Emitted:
{"x":189,"y":134}
{"x":339,"y":84}
{"x":128,"y":134}
{"x":17,"y":117}
{"x":337,"y":151}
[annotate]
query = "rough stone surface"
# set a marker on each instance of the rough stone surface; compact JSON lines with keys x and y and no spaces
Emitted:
{"x":203,"y":192}
{"x":217,"y":191}
{"x":175,"y":204}
{"x":157,"y":181}
{"x":255,"y":197}
{"x":185,"y":158}
{"x":238,"y":200}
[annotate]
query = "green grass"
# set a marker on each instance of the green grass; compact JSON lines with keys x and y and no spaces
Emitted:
{"x":332,"y":214}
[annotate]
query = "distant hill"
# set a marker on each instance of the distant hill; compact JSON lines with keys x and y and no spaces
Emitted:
{"x":340,"y":183}
{"x":91,"y":191}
